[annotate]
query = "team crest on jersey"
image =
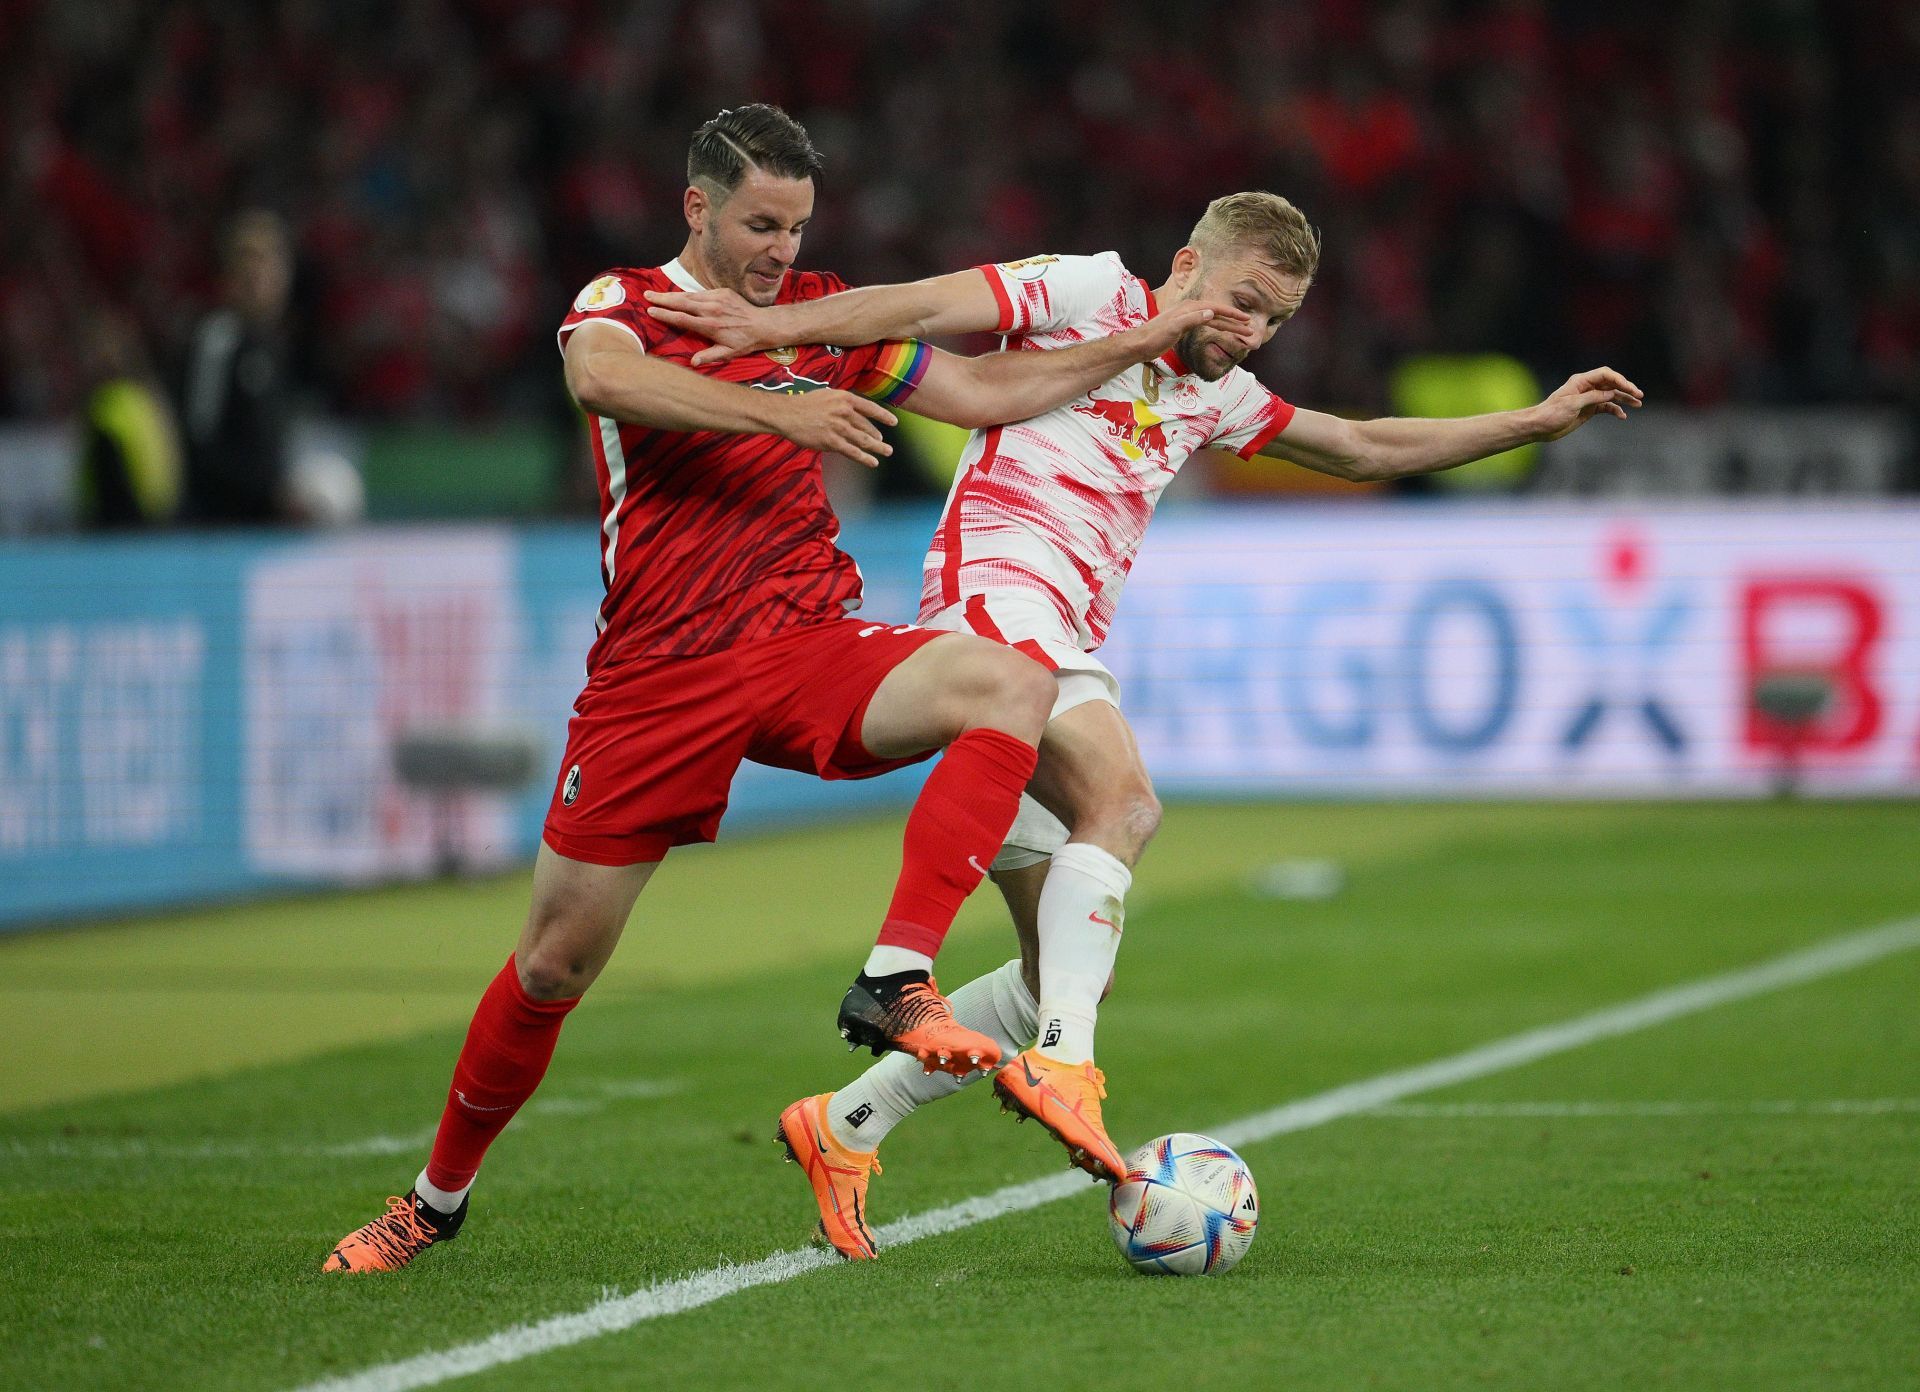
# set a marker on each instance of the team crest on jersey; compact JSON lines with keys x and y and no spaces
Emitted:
{"x":785,"y":357}
{"x":1139,"y":431}
{"x":1030,"y":269}
{"x":571,"y":788}
{"x":604,"y":293}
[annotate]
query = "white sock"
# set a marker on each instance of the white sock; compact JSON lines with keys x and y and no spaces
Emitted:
{"x":445,"y":1200}
{"x":997,"y":1004}
{"x":885,"y":961}
{"x":1082,"y":913}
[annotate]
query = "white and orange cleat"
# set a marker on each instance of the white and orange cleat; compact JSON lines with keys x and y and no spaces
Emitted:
{"x":1064,"y":1098}
{"x":838,"y":1176}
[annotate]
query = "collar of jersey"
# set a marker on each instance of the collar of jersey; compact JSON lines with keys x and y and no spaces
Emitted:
{"x":1169,"y":363}
{"x":680,"y":275}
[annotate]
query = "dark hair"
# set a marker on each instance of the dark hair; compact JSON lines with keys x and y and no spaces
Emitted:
{"x":761,"y":136}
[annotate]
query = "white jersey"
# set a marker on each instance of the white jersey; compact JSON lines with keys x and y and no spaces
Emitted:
{"x":1057,"y":506}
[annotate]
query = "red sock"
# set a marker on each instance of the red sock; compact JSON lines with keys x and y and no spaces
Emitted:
{"x":508,"y":1047}
{"x":953,"y":832}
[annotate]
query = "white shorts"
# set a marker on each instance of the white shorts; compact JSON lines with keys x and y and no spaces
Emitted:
{"x":1033,"y":626}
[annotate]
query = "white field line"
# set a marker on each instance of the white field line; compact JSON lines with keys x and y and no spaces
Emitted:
{"x":619,"y":1312}
{"x":1839,"y":1106}
{"x":606,"y":1094}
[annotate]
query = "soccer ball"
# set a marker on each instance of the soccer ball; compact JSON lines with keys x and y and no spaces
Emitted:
{"x":1185,"y":1207}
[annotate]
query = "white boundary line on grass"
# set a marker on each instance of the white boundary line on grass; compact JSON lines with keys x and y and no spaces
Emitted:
{"x":615,"y":1313}
{"x":1456,"y":1111}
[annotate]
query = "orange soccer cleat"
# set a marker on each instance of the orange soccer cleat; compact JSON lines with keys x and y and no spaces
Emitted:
{"x":838,"y":1176}
{"x":396,"y":1237}
{"x":913,"y":1018}
{"x":1064,"y":1098}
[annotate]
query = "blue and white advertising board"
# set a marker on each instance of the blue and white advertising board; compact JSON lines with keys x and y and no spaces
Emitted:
{"x":195,"y":717}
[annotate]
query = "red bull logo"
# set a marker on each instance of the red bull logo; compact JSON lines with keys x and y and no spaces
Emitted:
{"x":1132,"y":425}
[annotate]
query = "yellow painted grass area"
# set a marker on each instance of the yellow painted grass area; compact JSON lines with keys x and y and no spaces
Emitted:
{"x":127,"y":1006}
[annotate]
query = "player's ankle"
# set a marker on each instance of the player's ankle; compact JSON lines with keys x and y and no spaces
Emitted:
{"x":441,"y":1200}
{"x":886,"y":988}
{"x":1066,"y":1036}
{"x":887,"y":960}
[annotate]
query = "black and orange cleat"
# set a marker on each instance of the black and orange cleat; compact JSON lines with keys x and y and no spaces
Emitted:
{"x":838,"y":1176}
{"x":396,"y":1237}
{"x":906,"y":1012}
{"x":1064,"y":1098}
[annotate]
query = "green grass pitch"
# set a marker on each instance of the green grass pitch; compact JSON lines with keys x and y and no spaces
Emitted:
{"x":192,"y":1108}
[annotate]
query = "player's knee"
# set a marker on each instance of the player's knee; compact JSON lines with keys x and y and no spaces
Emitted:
{"x":562,"y":957}
{"x":1015,"y":695}
{"x":1031,"y":691}
{"x":1124,"y":820}
{"x":551,"y":973}
{"x":1142,"y":817}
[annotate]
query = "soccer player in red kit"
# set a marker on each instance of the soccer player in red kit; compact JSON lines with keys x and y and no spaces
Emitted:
{"x":725,"y":636}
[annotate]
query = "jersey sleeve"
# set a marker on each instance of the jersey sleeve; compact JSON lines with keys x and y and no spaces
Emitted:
{"x":887,"y":372}
{"x":611,"y":299}
{"x":1253,"y":416}
{"x":1044,"y":293}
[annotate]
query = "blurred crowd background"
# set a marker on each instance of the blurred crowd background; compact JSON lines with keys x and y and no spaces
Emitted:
{"x":1722,"y":199}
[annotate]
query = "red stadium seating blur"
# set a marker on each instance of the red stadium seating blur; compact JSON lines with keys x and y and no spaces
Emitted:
{"x":1727,"y":198}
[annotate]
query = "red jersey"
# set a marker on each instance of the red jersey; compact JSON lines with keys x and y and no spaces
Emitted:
{"x":714,"y":539}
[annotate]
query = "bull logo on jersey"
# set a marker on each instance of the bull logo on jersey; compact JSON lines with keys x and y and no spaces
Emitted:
{"x":1133,"y":425}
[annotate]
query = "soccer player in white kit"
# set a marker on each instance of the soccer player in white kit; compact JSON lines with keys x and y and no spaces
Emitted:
{"x":1040,"y":529}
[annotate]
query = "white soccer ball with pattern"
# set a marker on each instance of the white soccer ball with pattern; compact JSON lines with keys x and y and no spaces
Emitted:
{"x":1185,"y":1207}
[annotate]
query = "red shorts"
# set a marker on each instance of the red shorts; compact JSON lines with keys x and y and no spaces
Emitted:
{"x":654,"y":742}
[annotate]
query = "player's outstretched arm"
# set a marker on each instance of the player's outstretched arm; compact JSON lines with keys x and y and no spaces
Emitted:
{"x":609,"y":375}
{"x":995,"y":388}
{"x":1394,"y":447}
{"x":950,"y":304}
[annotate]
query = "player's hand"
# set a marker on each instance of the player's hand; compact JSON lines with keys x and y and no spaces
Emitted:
{"x":734,"y":325}
{"x":1584,"y":396}
{"x":838,"y":422}
{"x":1160,"y":333}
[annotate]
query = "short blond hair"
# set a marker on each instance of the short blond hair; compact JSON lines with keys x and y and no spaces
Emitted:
{"x":1264,"y":223}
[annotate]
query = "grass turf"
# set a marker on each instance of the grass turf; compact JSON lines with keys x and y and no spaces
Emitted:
{"x":169,"y":1236}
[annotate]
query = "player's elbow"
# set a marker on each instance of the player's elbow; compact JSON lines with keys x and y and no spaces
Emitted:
{"x":986,"y":393}
{"x":589,"y":385}
{"x":970,"y":409}
{"x":978,"y":415}
{"x":1359,"y":458}
{"x":1365,"y":467}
